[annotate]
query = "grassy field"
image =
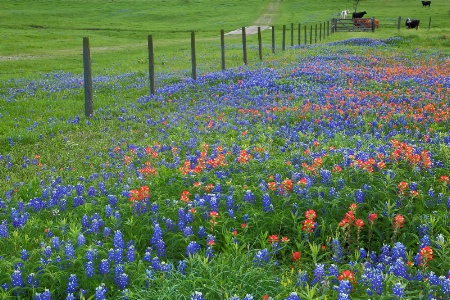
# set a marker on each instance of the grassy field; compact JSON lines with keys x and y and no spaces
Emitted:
{"x":40,"y":37}
{"x":320,"y":172}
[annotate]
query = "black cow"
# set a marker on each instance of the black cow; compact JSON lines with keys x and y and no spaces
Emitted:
{"x":426,"y":3}
{"x":358,"y":15}
{"x":412,"y":24}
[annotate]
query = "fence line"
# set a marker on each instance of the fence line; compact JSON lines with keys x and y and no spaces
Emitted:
{"x":88,"y":91}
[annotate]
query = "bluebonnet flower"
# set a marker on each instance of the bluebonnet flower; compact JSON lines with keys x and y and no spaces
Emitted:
{"x":345,"y":287}
{"x":399,"y":269}
{"x":112,"y":200}
{"x":90,"y":255}
{"x":188,"y":231}
{"x":433,"y":279}
{"x":182,"y":264}
{"x":118,"y":241}
{"x":333,"y":270}
{"x":4,"y":229}
{"x":261,"y":258}
{"x":16,"y":279}
{"x":201,"y":232}
{"x":32,"y":280}
{"x":100,"y":292}
{"x":122,"y":280}
{"x":249,"y":197}
{"x":103,"y":267}
{"x":45,"y":295}
{"x":398,"y":290}
{"x":69,"y":250}
{"x":359,"y":196}
{"x":70,"y":296}
{"x":319,"y":272}
{"x":266,"y":203}
{"x":192,"y":248}
{"x":248,"y":297}
{"x":302,"y":278}
{"x":72,"y":286}
{"x":326,"y":175}
{"x":337,"y":250}
{"x":81,"y":240}
{"x":197,"y":296}
{"x":293,"y":296}
{"x":89,"y":269}
{"x":130,"y":254}
{"x":24,"y":255}
{"x":48,"y":251}
{"x":209,"y":253}
{"x":398,"y":251}
{"x":446,"y":286}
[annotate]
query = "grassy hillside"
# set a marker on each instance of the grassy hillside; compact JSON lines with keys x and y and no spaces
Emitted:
{"x":39,"y":37}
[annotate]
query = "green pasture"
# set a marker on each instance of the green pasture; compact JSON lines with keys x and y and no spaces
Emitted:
{"x":45,"y":36}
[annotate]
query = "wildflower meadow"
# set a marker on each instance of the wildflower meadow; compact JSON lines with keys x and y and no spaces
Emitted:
{"x":325,"y":175}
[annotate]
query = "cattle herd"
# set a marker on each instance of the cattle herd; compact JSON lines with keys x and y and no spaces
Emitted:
{"x":367,"y":23}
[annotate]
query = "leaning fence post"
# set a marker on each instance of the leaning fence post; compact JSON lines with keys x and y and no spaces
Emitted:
{"x":273,"y":39}
{"x":244,"y":45}
{"x":429,"y":23}
{"x":88,"y":105}
{"x":283,"y":45}
{"x":399,"y":21}
{"x":151,"y":65}
{"x":193,"y":59}
{"x":259,"y":43}
{"x":222,"y":47}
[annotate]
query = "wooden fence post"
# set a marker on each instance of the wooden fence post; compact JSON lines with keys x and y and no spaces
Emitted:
{"x":273,"y":39}
{"x":292,"y":34}
{"x":88,"y":105}
{"x":429,"y":24}
{"x":222,"y":47}
{"x":315,"y":35}
{"x":320,"y":32}
{"x":310,"y":35}
{"x":373,"y":24}
{"x":328,"y":28}
{"x":259,"y":43}
{"x":151,"y":65}
{"x":298,"y":32}
{"x":304,"y":33}
{"x":399,"y":21}
{"x":193,"y":57}
{"x":283,"y":44}
{"x":244,"y":45}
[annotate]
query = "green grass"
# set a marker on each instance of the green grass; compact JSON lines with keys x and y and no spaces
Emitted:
{"x":47,"y":36}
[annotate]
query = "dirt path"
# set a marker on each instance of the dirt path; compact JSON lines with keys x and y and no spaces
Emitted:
{"x":264,"y":20}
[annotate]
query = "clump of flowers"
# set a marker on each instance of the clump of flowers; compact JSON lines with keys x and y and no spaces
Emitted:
{"x":309,"y":222}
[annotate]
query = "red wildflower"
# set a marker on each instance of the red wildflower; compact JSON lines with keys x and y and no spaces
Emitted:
{"x":359,"y":223}
{"x":372,"y":217}
{"x":285,"y":239}
{"x":399,"y":220}
{"x":295,"y":256}
{"x":308,"y":225}
{"x":347,"y":275}
{"x":185,"y":196}
{"x":426,"y":255}
{"x":273,"y":238}
{"x":310,"y":214}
